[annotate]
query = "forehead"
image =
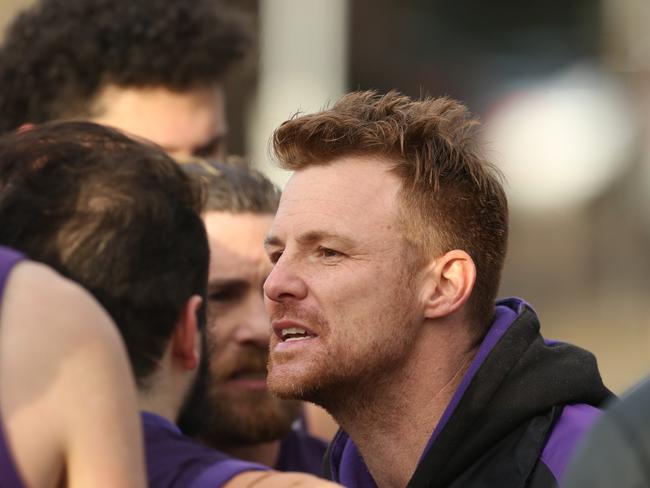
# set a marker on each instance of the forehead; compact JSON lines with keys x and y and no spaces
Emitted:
{"x":236,"y":241}
{"x":175,"y":121}
{"x":347,"y":195}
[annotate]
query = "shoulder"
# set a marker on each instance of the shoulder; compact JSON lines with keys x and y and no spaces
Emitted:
{"x":35,"y":290}
{"x":52,"y":331}
{"x":63,"y":368}
{"x":46,"y":304}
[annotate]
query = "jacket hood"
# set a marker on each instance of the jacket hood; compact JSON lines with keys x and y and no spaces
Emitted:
{"x":515,"y":376}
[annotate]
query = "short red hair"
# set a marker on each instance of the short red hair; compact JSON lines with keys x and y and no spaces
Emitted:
{"x":451,"y":196}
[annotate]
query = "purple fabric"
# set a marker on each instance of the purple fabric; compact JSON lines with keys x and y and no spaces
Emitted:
{"x":176,"y":461}
{"x":9,"y":476}
{"x":352,"y":470}
{"x":301,"y":452}
{"x":570,"y":428}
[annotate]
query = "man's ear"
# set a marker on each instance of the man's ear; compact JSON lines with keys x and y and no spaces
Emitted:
{"x":186,"y":339}
{"x":449,"y":285}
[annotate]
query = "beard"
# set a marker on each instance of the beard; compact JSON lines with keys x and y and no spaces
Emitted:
{"x":353,"y":368}
{"x":223,"y":417}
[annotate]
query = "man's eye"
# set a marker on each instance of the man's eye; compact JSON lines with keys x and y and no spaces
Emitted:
{"x":223,"y":296}
{"x":326,"y":252}
{"x":274,"y":257}
{"x":213,"y":149}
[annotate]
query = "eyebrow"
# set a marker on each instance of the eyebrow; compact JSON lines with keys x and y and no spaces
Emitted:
{"x":209,"y":145}
{"x":226,"y":283}
{"x":272,"y":241}
{"x":200,"y":147}
{"x":310,"y":238}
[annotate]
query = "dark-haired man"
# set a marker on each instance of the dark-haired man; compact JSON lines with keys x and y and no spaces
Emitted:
{"x":154,"y":69}
{"x":387,"y":247}
{"x":123,"y":219}
{"x":237,"y":414}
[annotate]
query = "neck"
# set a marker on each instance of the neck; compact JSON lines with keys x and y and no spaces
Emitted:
{"x":152,"y":403}
{"x":266,"y":453}
{"x":165,"y":394}
{"x":405,"y":408}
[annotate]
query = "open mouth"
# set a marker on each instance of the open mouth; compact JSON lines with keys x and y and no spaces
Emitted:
{"x":291,"y":334}
{"x":247,"y":379}
{"x":249,"y":375}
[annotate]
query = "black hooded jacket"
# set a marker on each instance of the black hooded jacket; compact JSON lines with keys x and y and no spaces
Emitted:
{"x":494,"y":434}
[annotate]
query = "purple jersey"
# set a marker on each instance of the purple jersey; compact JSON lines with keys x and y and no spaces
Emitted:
{"x":301,"y":452}
{"x":9,"y":476}
{"x":176,"y":461}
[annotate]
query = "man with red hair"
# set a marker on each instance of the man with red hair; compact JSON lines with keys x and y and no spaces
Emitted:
{"x":387,"y":247}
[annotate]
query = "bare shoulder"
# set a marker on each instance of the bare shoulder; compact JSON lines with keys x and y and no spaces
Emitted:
{"x":276,"y":479}
{"x":42,"y":298}
{"x":67,"y":395}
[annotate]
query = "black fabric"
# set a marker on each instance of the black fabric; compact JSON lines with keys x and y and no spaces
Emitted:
{"x":500,"y":425}
{"x":327,"y":466}
{"x":514,"y":460}
{"x":542,"y":477}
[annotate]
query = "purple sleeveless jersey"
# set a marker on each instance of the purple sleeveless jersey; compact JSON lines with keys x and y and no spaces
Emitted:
{"x":301,"y":452}
{"x":176,"y":461}
{"x":9,"y":476}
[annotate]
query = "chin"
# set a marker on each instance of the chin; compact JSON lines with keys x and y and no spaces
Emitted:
{"x":289,"y":382}
{"x":316,"y":387}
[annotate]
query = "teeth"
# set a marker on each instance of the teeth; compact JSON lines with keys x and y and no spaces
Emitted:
{"x":294,"y":339}
{"x":292,"y":331}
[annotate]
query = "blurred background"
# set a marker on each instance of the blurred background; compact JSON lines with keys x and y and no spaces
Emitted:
{"x":563,"y":88}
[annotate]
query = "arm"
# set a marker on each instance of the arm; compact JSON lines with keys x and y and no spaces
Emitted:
{"x":67,"y":395}
{"x":276,"y":479}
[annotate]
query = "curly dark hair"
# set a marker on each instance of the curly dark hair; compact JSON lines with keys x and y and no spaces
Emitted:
{"x":58,"y":54}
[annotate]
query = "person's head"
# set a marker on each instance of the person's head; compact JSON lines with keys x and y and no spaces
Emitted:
{"x":153,"y":69}
{"x":122,"y":219}
{"x":237,"y":408}
{"x":392,"y":220}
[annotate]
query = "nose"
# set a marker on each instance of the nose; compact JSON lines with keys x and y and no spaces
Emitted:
{"x":256,"y":326}
{"x":283,"y":283}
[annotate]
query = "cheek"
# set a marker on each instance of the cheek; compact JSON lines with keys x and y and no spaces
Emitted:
{"x":221,"y":327}
{"x":360,"y":307}
{"x":359,"y":293}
